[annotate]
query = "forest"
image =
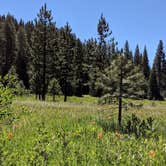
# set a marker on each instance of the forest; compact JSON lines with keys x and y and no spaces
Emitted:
{"x":59,"y":96}
{"x":43,"y":56}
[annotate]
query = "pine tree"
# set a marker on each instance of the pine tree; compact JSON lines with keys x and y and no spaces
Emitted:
{"x":103,"y":32}
{"x":89,"y":58}
{"x":54,"y":88}
{"x":78,"y":63}
{"x":8,"y":42}
{"x":113,"y":49}
{"x":163,"y":75}
{"x":92,"y":70}
{"x":21,"y":62}
{"x":29,"y":28}
{"x":158,"y":64}
{"x":65,"y":60}
{"x":123,"y":79}
{"x":41,"y":50}
{"x":145,"y":64}
{"x":127,"y":52}
{"x":154,"y":91}
{"x":137,"y":59}
{"x":2,"y":48}
{"x":163,"y":80}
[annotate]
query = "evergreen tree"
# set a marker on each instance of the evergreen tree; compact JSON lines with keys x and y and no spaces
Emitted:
{"x":154,"y":91}
{"x":89,"y":58}
{"x":103,"y":32}
{"x":29,"y":28}
{"x":65,"y":60}
{"x":145,"y":64}
{"x":163,"y":75}
{"x":137,"y":59}
{"x":78,"y":63}
{"x":21,"y":62}
{"x":113,"y":49}
{"x":123,"y":79}
{"x":127,"y":52}
{"x":158,"y":62}
{"x":8,"y":42}
{"x":163,"y":80}
{"x":40,"y":47}
{"x":54,"y":88}
{"x":2,"y":49}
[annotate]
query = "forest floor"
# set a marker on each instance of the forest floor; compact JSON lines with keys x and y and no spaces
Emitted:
{"x":80,"y":132}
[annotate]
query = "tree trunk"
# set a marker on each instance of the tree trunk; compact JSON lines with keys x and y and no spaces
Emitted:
{"x":53,"y":97}
{"x":65,"y":97}
{"x":65,"y":91}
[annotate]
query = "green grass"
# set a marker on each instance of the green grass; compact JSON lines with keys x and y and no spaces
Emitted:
{"x":57,"y":133}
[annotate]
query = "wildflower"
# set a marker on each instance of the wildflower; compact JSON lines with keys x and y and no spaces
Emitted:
{"x":99,"y":136}
{"x":117,"y":134}
{"x":10,"y":135}
{"x":152,"y":153}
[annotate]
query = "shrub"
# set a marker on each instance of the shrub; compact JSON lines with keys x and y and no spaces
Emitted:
{"x":6,"y":97}
{"x":140,"y":128}
{"x":11,"y":81}
{"x":54,"y":88}
{"x":132,"y":125}
{"x":107,"y":99}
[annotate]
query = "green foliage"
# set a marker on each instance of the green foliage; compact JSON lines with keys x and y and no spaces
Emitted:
{"x":41,"y":48}
{"x":21,"y":61}
{"x":154,"y":89}
{"x":41,"y":51}
{"x":8,"y":44}
{"x":79,"y":69}
{"x":137,"y":56}
{"x":132,"y":125}
{"x":133,"y":82}
{"x":54,"y":88}
{"x":159,"y":69}
{"x":47,"y":133}
{"x":6,"y":98}
{"x":107,"y":99}
{"x":140,"y":128}
{"x":145,"y":64}
{"x":12,"y":81}
{"x":96,"y":87}
{"x":103,"y":53}
{"x":127,"y":52}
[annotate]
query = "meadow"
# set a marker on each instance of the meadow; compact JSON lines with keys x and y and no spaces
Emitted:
{"x":79,"y":132}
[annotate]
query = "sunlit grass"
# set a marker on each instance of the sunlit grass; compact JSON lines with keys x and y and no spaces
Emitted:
{"x":58,"y":133}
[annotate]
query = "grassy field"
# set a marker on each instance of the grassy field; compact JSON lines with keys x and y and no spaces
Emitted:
{"x":47,"y":133}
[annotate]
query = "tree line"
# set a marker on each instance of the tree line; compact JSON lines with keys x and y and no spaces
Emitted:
{"x":48,"y":59}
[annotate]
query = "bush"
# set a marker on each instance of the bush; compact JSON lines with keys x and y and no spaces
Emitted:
{"x":54,"y":88}
{"x":132,"y":125}
{"x":140,"y":128}
{"x":107,"y":99}
{"x":6,"y":97}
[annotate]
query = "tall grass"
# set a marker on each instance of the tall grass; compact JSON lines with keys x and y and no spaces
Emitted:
{"x":48,"y":133}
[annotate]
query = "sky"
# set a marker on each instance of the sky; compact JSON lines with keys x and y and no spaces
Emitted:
{"x":138,"y":21}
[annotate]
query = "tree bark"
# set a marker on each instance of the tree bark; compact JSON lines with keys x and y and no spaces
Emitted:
{"x":65,"y":92}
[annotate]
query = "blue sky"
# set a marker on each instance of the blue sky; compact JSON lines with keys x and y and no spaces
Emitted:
{"x":138,"y":21}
